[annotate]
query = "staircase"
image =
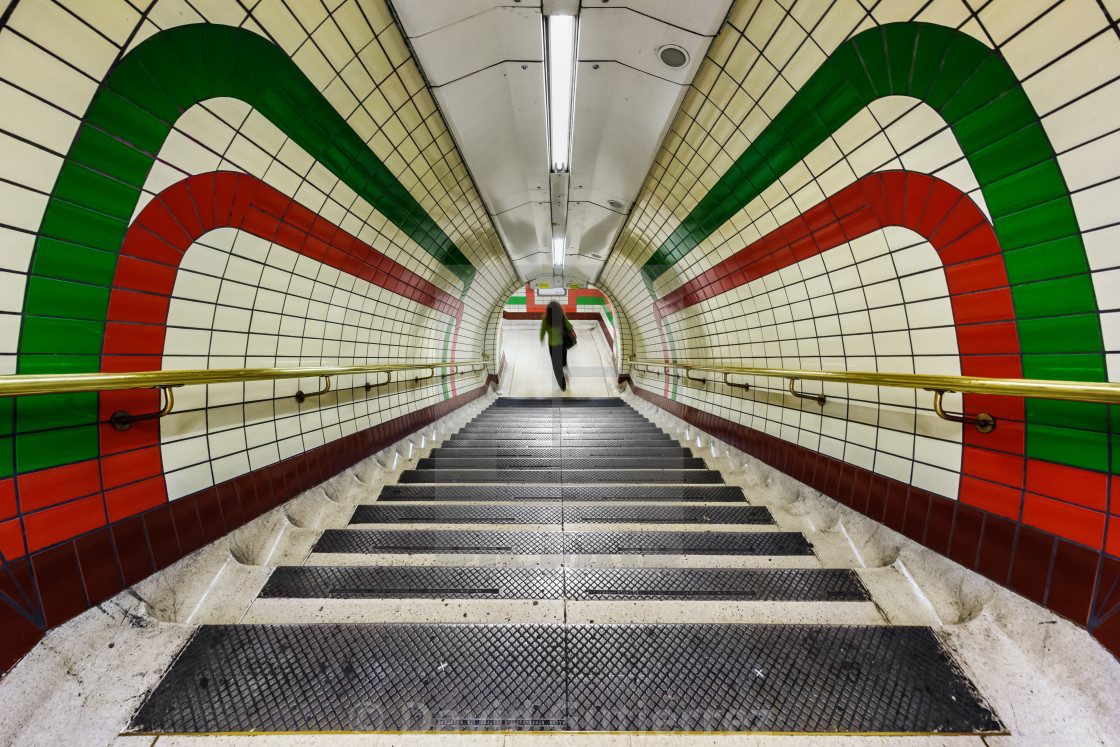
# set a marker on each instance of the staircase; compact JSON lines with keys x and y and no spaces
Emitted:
{"x":565,"y":566}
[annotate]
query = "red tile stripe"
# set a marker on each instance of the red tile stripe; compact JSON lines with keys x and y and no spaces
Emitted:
{"x":994,"y":465}
{"x":155,"y":245}
{"x":67,"y":501}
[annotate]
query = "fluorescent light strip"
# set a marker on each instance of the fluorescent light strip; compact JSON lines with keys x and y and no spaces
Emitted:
{"x":561,"y":53}
{"x":557,"y":251}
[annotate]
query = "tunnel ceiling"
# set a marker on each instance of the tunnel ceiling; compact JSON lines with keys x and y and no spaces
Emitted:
{"x":484,"y":61}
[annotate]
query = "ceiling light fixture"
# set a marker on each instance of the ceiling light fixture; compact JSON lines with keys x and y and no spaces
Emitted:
{"x":557,"y":251}
{"x":561,"y":34}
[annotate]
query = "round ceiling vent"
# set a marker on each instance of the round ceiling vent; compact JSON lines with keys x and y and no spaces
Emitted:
{"x":673,"y":56}
{"x":615,"y":204}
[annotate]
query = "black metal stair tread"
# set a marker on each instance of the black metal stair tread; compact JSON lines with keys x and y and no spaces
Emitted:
{"x":667,"y":515}
{"x":484,"y":542}
{"x":378,"y":677}
{"x":561,"y":451}
{"x":573,"y":476}
{"x":415,"y":582}
{"x":559,"y":402}
{"x":568,"y":419}
{"x":511,"y":514}
{"x":581,"y":425}
{"x":422,"y":492}
{"x":558,"y":443}
{"x":582,"y":493}
{"x":557,"y":514}
{"x":603,"y":461}
{"x":486,"y":582}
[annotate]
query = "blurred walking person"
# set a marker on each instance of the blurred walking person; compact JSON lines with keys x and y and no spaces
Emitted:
{"x":561,"y":336}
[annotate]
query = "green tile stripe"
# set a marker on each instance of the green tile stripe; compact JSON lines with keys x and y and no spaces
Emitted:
{"x":977,"y":94}
{"x":516,"y":301}
{"x":595,"y":301}
{"x":99,"y":185}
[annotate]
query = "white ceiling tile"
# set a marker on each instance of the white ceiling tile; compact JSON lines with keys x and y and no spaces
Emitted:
{"x":497,"y":116}
{"x":698,"y":16}
{"x":634,"y":40}
{"x":479,"y":42}
{"x":621,"y":118}
{"x":592,"y":228}
{"x":419,"y":17}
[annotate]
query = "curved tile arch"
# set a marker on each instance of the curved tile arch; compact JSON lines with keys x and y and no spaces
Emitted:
{"x":984,"y":315}
{"x":144,"y":281}
{"x":967,"y":83}
{"x":98,"y":188}
{"x":972,"y":87}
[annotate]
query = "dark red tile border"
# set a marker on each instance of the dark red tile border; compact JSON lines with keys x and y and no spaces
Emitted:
{"x":77,"y":574}
{"x":59,"y":581}
{"x":1050,"y":570}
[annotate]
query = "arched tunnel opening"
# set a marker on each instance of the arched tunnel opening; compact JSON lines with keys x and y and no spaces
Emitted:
{"x":522,"y":346}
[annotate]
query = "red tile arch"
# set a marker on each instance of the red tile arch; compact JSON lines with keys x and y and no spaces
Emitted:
{"x":159,"y":238}
{"x":996,"y":475}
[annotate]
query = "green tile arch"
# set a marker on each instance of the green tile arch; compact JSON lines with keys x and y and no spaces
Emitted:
{"x":978,"y":95}
{"x":99,"y":185}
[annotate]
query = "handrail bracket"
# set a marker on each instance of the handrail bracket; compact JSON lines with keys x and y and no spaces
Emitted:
{"x":301,"y":396}
{"x":983,"y":422}
{"x":744,"y":387}
{"x":388,"y":380}
{"x":122,"y":420}
{"x":688,"y":375}
{"x":820,"y":398}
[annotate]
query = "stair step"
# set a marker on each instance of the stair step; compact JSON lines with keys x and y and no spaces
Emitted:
{"x":559,"y":443}
{"x":566,"y":403}
{"x":515,"y":514}
{"x":570,"y":476}
{"x":482,"y":582}
{"x":381,"y":677}
{"x":461,"y":451}
{"x":581,"y":493}
{"x":488,"y":542}
{"x":602,"y":461}
{"x":511,"y":514}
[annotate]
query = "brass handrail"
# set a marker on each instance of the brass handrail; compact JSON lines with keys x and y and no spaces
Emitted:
{"x":1106,"y":393}
{"x":20,"y":385}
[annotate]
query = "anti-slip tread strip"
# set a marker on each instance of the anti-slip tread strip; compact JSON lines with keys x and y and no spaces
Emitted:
{"x":512,"y":514}
{"x":413,"y":582}
{"x":574,"y":493}
{"x":558,"y":451}
{"x":598,"y":446}
{"x":364,"y":677}
{"x":491,"y":542}
{"x":604,"y":584}
{"x":583,"y":514}
{"x":608,"y":461}
{"x":528,"y":439}
{"x":667,"y":515}
{"x":569,"y":476}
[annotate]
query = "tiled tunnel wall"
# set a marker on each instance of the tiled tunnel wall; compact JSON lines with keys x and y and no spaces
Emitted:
{"x":191,"y":185}
{"x":902,"y":186}
{"x":918,"y":188}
